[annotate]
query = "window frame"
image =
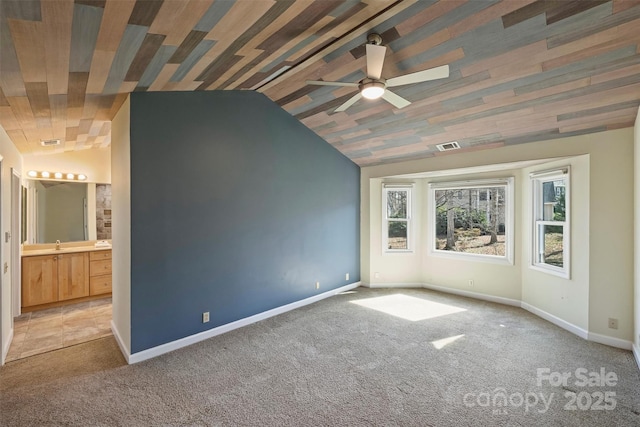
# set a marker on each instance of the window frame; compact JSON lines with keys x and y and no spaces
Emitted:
{"x":537,"y":220}
{"x":508,"y":184}
{"x":408,"y":187}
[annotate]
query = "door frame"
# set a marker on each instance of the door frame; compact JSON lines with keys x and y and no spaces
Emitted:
{"x":16,"y":239}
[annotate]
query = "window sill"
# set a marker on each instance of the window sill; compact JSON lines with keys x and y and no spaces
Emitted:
{"x":552,"y":271}
{"x":461,"y":256}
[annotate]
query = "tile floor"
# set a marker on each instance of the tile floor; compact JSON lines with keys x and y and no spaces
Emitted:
{"x":45,"y":330}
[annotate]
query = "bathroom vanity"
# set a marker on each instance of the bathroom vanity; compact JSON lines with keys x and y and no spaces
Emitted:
{"x":73,"y":273}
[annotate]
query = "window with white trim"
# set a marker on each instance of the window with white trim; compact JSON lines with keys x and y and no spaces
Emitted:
{"x":472,"y":220}
{"x":551,"y":221}
{"x":396,"y":199}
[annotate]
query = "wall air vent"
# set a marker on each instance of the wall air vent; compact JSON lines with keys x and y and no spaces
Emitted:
{"x":447,"y":146}
{"x":49,"y":142}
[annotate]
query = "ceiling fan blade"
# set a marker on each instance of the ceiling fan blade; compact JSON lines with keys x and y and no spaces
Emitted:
{"x":323,"y":83}
{"x":396,"y":100}
{"x":349,"y":102}
{"x":420,"y":76}
{"x":375,"y":60}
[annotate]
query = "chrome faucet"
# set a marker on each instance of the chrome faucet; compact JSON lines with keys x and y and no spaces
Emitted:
{"x":57,"y":245}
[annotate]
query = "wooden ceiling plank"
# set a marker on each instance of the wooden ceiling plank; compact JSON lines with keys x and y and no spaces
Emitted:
{"x":132,"y":39}
{"x":145,"y":54}
{"x":428,"y":15}
{"x":622,"y":5}
{"x":57,"y":18}
{"x":39,"y":99}
{"x":589,"y":52}
{"x":615,"y":74}
{"x":91,"y":106}
{"x":84,"y":34}
{"x":597,"y":99}
{"x":624,"y":116}
{"x":526,"y":12}
{"x":28,"y":38}
{"x":601,"y":118}
{"x":184,"y":23}
{"x":22,"y":111}
{"x":516,"y":56}
{"x":8,"y":120}
{"x":163,"y":77}
{"x":114,"y":22}
{"x":17,"y":136}
{"x":168,"y":15}
{"x":144,"y":12}
{"x":100,"y":66}
{"x":566,"y":9}
{"x":236,"y":21}
{"x":487,"y":15}
{"x":71,"y":134}
{"x":297,"y":23}
{"x":190,"y":42}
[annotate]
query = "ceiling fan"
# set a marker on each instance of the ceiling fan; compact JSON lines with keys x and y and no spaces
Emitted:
{"x":374,"y":86}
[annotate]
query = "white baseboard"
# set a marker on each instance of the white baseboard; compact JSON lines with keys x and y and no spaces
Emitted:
{"x":475,"y":295}
{"x":6,"y":346}
{"x":192,"y":339}
{"x":610,"y":341}
{"x":123,"y":347}
{"x":582,"y":333}
{"x":393,"y":285}
{"x":636,"y":354}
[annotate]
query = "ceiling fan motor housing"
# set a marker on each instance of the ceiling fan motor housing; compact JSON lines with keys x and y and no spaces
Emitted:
{"x":374,"y":38}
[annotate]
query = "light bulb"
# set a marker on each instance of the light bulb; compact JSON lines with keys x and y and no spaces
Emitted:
{"x":82,"y":177}
{"x":58,"y":175}
{"x":373,"y":92}
{"x":70,"y":176}
{"x":45,"y":174}
{"x":32,"y":174}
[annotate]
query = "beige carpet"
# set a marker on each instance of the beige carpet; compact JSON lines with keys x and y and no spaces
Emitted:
{"x":399,"y":357}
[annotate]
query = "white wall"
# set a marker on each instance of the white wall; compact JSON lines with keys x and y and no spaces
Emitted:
{"x":636,"y":180}
{"x":602,"y":242}
{"x":121,"y":231}
{"x":94,"y":163}
{"x":11,"y":158}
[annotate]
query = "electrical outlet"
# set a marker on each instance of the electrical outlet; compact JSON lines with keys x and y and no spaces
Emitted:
{"x":376,"y":275}
{"x":471,"y":283}
{"x":317,"y":285}
{"x":613,"y":323}
{"x":205,"y":317}
{"x":346,"y":276}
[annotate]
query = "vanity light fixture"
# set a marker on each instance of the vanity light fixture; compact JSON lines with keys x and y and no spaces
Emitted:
{"x":57,"y":175}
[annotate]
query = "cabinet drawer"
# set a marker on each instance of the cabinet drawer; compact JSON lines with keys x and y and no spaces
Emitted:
{"x":98,"y":255}
{"x":100,"y":285}
{"x":101,"y":267}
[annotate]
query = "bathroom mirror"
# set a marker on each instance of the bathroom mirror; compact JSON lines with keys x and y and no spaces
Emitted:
{"x":65,"y":211}
{"x":57,"y":210}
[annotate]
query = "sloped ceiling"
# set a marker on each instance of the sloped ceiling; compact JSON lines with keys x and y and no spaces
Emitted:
{"x":520,"y":70}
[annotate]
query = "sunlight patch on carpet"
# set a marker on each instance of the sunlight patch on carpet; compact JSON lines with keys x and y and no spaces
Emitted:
{"x":439,"y":344}
{"x":408,"y":308}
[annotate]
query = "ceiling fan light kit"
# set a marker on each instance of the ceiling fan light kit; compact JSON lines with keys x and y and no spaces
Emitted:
{"x":374,"y":86}
{"x":372,"y":89}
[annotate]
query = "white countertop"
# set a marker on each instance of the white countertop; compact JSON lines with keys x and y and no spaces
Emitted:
{"x":65,"y":248}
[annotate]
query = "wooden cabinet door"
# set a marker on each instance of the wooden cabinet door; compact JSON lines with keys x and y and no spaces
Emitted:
{"x":39,"y":280}
{"x":73,"y":275}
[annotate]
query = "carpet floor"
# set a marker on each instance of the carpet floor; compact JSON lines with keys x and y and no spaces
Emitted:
{"x":368,"y":357}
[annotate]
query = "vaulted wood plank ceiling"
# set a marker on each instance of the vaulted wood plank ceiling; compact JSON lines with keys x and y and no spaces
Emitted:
{"x":520,"y":70}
